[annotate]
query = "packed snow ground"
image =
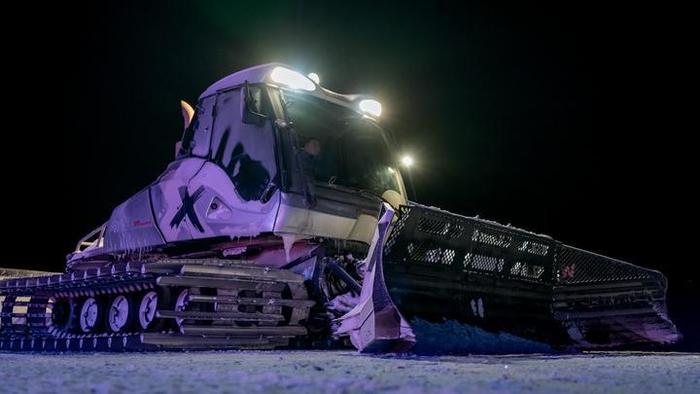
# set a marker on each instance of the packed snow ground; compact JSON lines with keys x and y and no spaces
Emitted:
{"x":348,"y":372}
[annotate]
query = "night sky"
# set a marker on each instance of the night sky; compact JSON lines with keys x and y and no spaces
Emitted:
{"x":568,"y":120}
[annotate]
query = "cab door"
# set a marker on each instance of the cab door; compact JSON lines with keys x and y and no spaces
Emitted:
{"x":234,"y":192}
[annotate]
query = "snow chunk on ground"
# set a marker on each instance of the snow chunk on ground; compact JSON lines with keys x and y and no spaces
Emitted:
{"x":451,"y":337}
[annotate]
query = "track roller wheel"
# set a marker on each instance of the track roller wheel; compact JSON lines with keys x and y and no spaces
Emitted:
{"x":64,"y":314}
{"x":120,"y":313}
{"x":147,"y":309}
{"x":90,"y":315}
{"x":181,"y":302}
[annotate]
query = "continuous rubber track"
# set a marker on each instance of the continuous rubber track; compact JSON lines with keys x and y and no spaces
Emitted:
{"x":201,"y":304}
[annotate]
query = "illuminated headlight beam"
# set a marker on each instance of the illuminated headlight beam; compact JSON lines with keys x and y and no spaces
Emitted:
{"x":291,"y":79}
{"x":314,"y":77}
{"x":371,"y":107}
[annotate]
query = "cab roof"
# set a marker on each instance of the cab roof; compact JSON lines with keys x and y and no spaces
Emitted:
{"x":261,"y":74}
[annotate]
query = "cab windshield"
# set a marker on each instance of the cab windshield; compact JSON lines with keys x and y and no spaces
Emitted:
{"x":339,"y":146}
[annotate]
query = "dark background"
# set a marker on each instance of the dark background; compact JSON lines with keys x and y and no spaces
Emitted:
{"x":569,"y":120}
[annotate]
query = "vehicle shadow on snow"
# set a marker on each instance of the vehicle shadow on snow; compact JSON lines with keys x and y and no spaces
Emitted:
{"x":452,"y":339}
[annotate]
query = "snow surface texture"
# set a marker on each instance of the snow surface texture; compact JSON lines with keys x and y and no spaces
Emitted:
{"x":11,"y":273}
{"x":347,"y":372}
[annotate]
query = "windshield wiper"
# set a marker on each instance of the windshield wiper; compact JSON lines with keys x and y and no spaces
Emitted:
{"x":351,"y":189}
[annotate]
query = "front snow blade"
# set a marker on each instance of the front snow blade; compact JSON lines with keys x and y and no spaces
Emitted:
{"x":375,"y":325}
{"x":440,"y":266}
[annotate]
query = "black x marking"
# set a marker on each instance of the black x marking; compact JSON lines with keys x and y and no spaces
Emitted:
{"x":187,"y":208}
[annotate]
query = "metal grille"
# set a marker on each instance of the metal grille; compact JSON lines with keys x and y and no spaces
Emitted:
{"x":521,"y":278}
{"x":526,"y":270}
{"x":397,"y":228}
{"x":490,"y":238}
{"x":430,"y":254}
{"x":578,"y":266}
{"x":443,"y":229}
{"x":427,"y":236}
{"x":483,"y":263}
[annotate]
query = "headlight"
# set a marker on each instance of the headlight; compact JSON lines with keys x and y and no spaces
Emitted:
{"x":371,"y":107}
{"x":291,"y":79}
{"x":314,"y":77}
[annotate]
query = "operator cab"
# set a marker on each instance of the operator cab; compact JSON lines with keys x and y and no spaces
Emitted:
{"x":340,"y":147}
{"x":322,"y":151}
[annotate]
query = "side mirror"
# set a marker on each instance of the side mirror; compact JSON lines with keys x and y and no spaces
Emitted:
{"x":251,"y":105}
{"x":188,"y":114}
